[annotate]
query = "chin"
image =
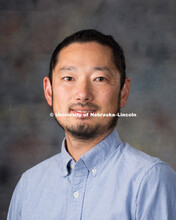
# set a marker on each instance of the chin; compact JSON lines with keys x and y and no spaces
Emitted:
{"x":85,"y":131}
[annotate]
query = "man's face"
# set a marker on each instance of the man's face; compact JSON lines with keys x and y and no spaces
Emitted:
{"x":85,"y":80}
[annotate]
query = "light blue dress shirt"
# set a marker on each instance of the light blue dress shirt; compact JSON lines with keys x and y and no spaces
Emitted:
{"x":112,"y":181}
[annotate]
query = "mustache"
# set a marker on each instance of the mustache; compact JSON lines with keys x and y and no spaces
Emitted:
{"x":88,"y":104}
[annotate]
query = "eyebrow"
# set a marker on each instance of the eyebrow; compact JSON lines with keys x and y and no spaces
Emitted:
{"x":104,"y":68}
{"x":96,"y":68}
{"x":66,"y":68}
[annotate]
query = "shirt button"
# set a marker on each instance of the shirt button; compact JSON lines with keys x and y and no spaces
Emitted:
{"x":94,"y":170}
{"x":73,"y":166}
{"x":76,"y":194}
{"x":65,"y":172}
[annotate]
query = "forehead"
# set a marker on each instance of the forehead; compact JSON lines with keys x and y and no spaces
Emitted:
{"x":87,"y":45}
{"x":90,"y":51}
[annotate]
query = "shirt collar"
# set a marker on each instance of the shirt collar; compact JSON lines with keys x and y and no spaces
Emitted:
{"x":95,"y":157}
{"x":66,"y":158}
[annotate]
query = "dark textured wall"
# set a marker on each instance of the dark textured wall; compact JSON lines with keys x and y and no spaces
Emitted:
{"x":30,"y":30}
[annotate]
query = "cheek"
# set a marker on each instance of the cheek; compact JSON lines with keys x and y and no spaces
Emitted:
{"x":109,"y":96}
{"x":60,"y":91}
{"x":61,"y":98}
{"x":111,"y":101}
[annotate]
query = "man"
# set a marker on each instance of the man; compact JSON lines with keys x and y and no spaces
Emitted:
{"x":96,"y":176}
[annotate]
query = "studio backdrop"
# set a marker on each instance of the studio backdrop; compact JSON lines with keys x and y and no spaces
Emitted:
{"x":29,"y":32}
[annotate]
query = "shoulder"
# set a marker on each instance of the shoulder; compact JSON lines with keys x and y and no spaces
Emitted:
{"x":141,"y":161}
{"x":45,"y":168}
{"x":52,"y":161}
{"x":155,"y":184}
{"x":33,"y":181}
{"x":138,"y":156}
{"x":142,"y":167}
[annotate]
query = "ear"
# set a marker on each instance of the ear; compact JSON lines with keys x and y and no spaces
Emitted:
{"x":125,"y":92}
{"x":47,"y":90}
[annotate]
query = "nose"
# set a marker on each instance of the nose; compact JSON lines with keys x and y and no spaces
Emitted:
{"x":83,"y":91}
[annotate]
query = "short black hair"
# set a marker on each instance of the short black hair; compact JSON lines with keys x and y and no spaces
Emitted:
{"x":92,"y":35}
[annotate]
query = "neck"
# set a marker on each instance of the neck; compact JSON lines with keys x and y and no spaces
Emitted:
{"x":77,"y":147}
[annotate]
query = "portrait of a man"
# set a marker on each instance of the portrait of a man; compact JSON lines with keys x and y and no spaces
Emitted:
{"x":96,"y":175}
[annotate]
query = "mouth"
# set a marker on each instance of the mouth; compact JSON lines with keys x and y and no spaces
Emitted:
{"x":83,"y":113}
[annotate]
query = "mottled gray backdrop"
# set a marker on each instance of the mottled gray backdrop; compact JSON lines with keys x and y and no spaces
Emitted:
{"x":30,"y":30}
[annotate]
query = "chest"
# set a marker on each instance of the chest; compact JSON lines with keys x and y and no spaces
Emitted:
{"x":106,"y":196}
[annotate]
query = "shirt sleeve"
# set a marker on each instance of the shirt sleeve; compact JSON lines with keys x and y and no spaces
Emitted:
{"x":14,"y":212}
{"x":156,"y":198}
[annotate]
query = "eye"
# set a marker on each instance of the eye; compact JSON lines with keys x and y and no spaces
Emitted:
{"x":100,"y":79}
{"x":68,"y":78}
